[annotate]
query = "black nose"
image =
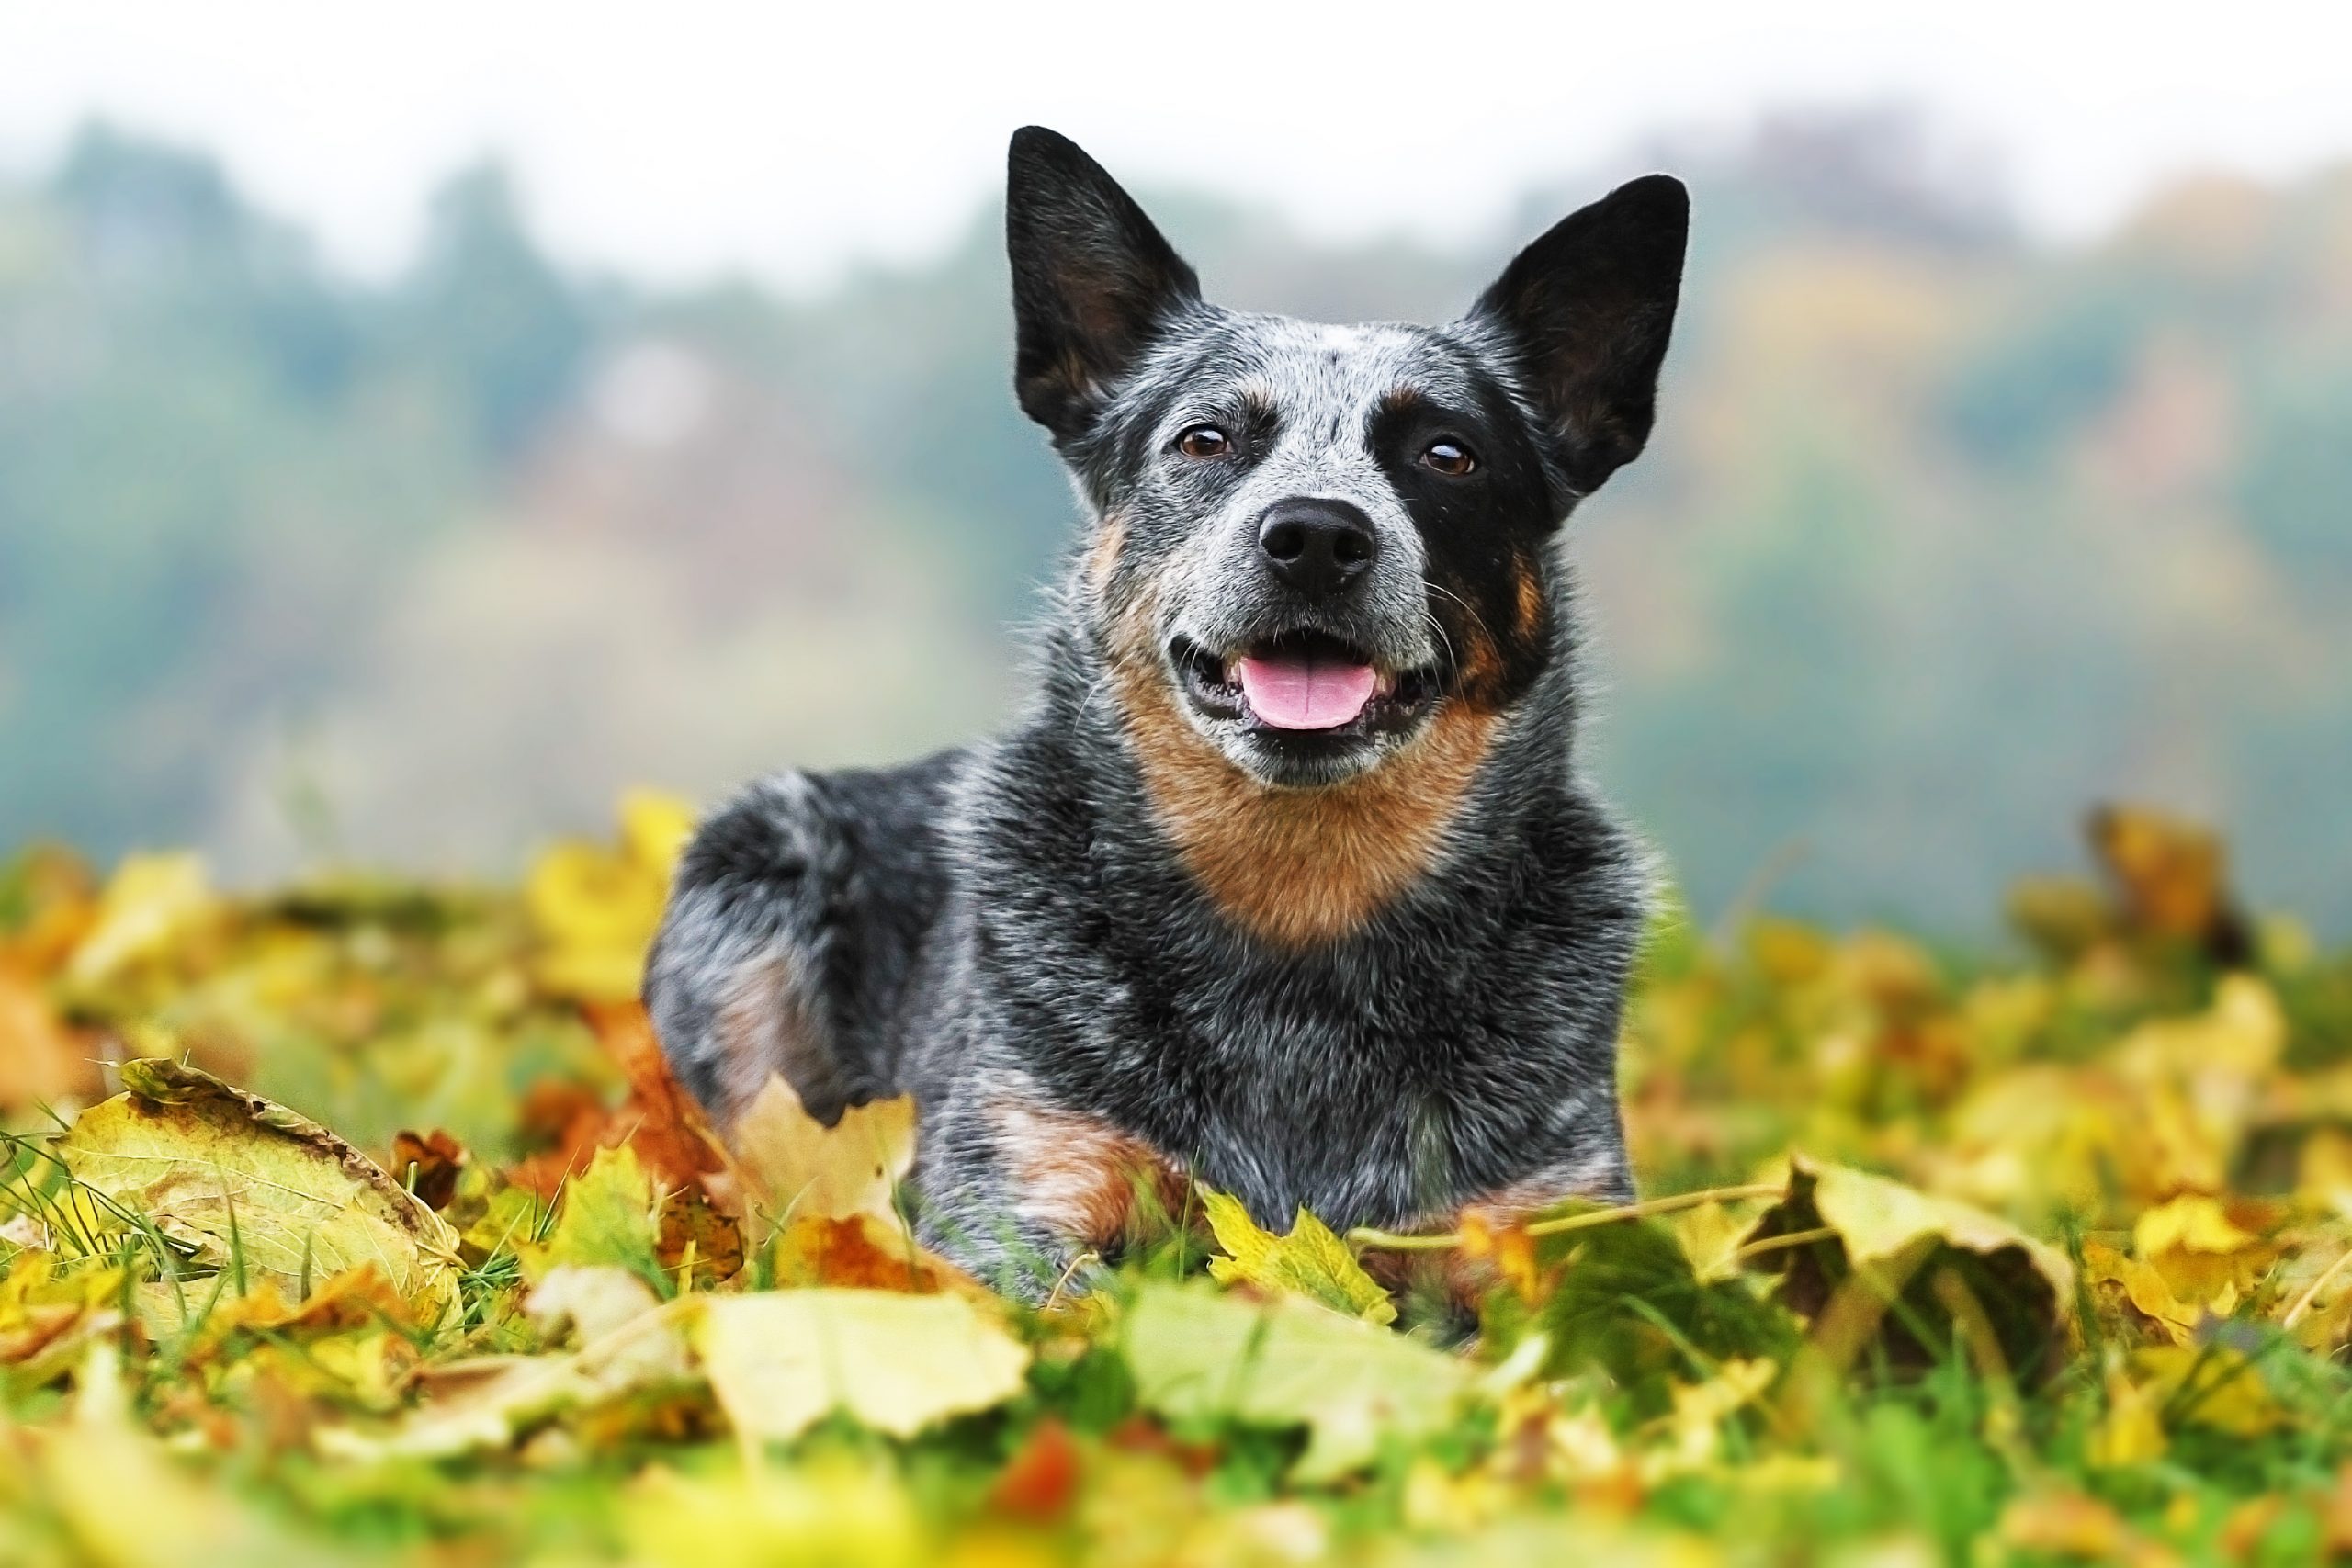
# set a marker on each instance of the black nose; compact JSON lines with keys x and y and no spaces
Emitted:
{"x":1316,"y":547}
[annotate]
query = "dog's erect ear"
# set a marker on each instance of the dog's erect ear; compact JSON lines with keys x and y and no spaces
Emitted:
{"x":1585,"y":312}
{"x":1091,"y":279}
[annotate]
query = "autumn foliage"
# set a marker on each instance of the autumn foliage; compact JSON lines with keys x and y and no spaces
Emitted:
{"x":363,"y":1222}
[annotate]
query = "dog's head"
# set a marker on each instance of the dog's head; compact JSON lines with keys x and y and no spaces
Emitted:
{"x":1320,"y":538}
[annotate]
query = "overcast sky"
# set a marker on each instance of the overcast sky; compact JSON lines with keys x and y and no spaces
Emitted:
{"x":690,"y":137}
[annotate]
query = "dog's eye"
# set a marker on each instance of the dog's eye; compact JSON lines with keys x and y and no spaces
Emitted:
{"x":1449,"y":457}
{"x":1204,"y":440}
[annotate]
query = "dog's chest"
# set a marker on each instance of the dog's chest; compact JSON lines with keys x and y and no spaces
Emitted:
{"x":1347,"y":1101}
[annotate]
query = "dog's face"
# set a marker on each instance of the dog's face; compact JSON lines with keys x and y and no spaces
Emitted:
{"x":1321,"y":539}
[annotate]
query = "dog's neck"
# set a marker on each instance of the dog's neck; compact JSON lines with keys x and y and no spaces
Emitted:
{"x":1302,"y":868}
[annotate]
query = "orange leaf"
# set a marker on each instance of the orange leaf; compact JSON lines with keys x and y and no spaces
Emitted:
{"x":1042,"y":1479}
{"x":860,"y":1251}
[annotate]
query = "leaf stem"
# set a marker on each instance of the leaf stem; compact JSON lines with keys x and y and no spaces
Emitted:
{"x":1390,"y":1241}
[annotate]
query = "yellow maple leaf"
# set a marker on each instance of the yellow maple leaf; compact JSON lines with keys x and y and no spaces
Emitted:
{"x":1310,"y":1261}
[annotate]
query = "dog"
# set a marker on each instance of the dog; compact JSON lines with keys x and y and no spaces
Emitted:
{"x":1285,"y":881}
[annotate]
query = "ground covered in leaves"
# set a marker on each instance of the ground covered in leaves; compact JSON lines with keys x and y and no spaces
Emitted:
{"x":360,"y":1222}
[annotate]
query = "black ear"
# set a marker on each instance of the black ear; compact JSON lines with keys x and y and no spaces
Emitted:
{"x":1091,"y":279}
{"x":1585,"y":312}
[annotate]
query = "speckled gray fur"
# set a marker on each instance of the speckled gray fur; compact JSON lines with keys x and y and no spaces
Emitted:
{"x":1013,"y":924}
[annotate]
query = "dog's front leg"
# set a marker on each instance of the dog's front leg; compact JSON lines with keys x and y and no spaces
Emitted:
{"x":1032,"y":1196}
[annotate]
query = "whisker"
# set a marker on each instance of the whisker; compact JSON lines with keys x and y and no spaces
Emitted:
{"x":1467,"y":608}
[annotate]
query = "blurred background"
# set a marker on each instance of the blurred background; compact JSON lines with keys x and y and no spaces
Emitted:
{"x":415,"y":430}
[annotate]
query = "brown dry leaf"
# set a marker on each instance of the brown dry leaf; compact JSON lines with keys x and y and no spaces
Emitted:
{"x":429,"y":1164}
{"x":699,"y":1246}
{"x":660,"y":1119}
{"x":657,"y":1119}
{"x":567,"y":1124}
{"x":2170,"y":875}
{"x":795,"y":1165}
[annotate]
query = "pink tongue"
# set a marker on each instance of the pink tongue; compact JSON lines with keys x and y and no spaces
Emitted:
{"x":1292,"y":692}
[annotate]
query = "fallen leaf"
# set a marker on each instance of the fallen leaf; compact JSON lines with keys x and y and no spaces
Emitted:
{"x":2208,"y":1385}
{"x":50,"y":1313}
{"x":2200,"y":1251}
{"x":834,"y":1512}
{"x":2132,"y":1429}
{"x":1502,"y":1243}
{"x":799,"y":1165}
{"x":2171,"y":877}
{"x":697,"y":1246}
{"x":150,"y":902}
{"x":1040,"y":1480}
{"x":658,"y":1119}
{"x":861,"y":1251}
{"x":1310,"y":1261}
{"x":429,"y":1164}
{"x":43,"y":1061}
{"x":630,"y":1344}
{"x":1197,"y":1354}
{"x":252,"y":1188}
{"x":2119,"y":1281}
{"x":605,"y":1216}
{"x":595,"y":908}
{"x":1874,"y":1241}
{"x":2067,"y":1524}
{"x":780,"y":1361}
{"x":592,"y":1300}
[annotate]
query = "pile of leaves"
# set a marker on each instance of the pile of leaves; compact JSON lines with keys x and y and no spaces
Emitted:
{"x":363,"y":1222}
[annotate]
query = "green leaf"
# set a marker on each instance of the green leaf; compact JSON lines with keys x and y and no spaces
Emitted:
{"x":1197,"y":1354}
{"x":607,"y":1220}
{"x":1310,"y":1261}
{"x":252,"y":1189}
{"x":782,"y":1360}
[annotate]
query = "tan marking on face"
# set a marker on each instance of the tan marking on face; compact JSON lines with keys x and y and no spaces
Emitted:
{"x":1295,"y":867}
{"x":1080,"y":1176}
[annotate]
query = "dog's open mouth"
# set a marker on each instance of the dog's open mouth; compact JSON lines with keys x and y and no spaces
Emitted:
{"x":1301,"y":682}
